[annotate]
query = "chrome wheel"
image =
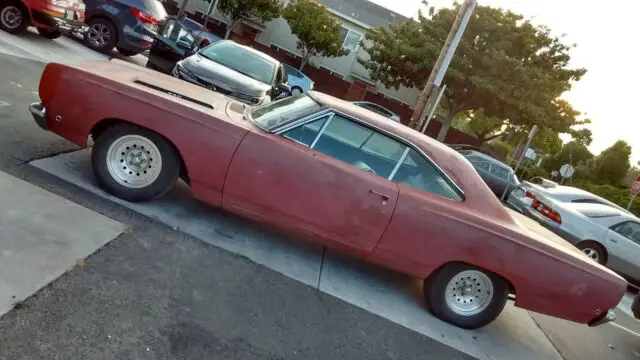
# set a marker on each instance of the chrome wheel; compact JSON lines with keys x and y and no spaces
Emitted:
{"x":99,"y":35}
{"x":469,"y":292}
{"x":11,"y":17}
{"x":592,"y":253}
{"x":134,"y":161}
{"x":296,"y":91}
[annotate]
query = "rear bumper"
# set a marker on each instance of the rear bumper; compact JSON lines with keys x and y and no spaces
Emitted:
{"x":39,"y":114}
{"x":607,"y":317}
{"x":56,"y":20}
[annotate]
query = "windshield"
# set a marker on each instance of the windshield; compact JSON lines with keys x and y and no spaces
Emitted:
{"x":241,"y":60}
{"x":282,"y":111}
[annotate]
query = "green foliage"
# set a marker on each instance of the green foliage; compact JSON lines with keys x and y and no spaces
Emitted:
{"x":317,"y":31}
{"x":547,"y":141}
{"x":612,"y":165}
{"x":573,"y":153}
{"x":615,"y":194}
{"x":480,"y":125}
{"x":533,"y":171}
{"x":236,"y":10}
{"x":503,"y":65}
{"x":502,"y":147}
{"x":582,"y":136}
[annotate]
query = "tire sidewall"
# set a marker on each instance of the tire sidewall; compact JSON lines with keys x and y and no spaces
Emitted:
{"x":25,"y":18}
{"x":435,"y":294}
{"x":166,"y":178}
{"x":590,"y":245}
{"x":109,"y":45}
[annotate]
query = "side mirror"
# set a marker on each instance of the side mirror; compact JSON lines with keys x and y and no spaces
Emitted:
{"x":184,"y":45}
{"x":283,"y":89}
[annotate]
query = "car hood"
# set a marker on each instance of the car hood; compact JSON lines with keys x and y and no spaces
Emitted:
{"x":223,"y":77}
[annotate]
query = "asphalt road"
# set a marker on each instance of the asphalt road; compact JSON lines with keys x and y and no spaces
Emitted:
{"x":155,"y":293}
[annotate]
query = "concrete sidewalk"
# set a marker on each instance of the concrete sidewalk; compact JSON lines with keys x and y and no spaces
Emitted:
{"x":42,"y":236}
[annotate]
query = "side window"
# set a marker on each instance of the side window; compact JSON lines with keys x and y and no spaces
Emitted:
{"x":628,"y":229}
{"x":499,"y":172}
{"x":416,"y":172}
{"x":588,"y":201}
{"x":483,"y":165}
{"x":306,"y":134}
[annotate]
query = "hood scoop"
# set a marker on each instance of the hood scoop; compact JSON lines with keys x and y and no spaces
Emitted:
{"x":174,"y":94}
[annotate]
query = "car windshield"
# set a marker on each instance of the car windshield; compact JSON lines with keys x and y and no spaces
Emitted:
{"x":272,"y":115}
{"x":244,"y":61}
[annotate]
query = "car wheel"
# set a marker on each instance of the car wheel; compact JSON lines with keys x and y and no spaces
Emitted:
{"x":134,"y":164}
{"x":48,"y":33}
{"x":296,"y":90}
{"x":466,"y":296}
{"x":127,"y":53}
{"x":593,"y":250}
{"x":101,"y":35}
{"x":14,"y":18}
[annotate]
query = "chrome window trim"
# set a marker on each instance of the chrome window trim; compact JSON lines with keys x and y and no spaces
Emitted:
{"x":399,"y":163}
{"x":326,"y":110}
{"x":322,"y":129}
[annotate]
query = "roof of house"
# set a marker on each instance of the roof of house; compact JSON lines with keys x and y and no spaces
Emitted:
{"x":365,"y":11}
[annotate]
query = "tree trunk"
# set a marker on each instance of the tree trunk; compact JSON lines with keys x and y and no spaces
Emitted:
{"x":230,"y":28}
{"x":304,"y":61}
{"x":446,"y":125}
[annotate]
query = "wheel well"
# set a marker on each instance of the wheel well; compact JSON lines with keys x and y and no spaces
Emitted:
{"x":101,"y":126}
{"x":512,"y":289}
{"x":595,"y":244}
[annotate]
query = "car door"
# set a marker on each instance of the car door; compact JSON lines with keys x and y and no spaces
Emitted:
{"x":623,"y":245}
{"x":172,"y":43}
{"x":326,"y":178}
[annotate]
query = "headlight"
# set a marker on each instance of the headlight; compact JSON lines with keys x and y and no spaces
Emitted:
{"x":180,"y":70}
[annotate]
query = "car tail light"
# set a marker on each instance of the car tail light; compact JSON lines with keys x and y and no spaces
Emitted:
{"x":530,"y":195}
{"x":144,"y":17}
{"x":547,"y":211}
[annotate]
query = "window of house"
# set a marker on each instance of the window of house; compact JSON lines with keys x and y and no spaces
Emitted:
{"x":350,"y":39}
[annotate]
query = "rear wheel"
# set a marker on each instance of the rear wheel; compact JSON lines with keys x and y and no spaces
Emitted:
{"x":466,"y":296}
{"x":48,"y":33}
{"x":14,"y":18}
{"x":593,"y":250}
{"x":134,"y":163}
{"x":101,"y":35}
{"x":296,"y":90}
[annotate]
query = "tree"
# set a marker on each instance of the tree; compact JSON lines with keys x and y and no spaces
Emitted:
{"x":317,"y":31}
{"x":574,"y":153}
{"x":612,"y":165}
{"x":237,"y":10}
{"x":503,"y":64}
{"x":483,"y":127}
{"x":582,"y":136}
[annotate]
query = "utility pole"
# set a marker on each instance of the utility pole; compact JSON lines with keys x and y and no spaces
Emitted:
{"x":442,"y":63}
{"x":183,"y":7}
{"x":532,"y":133}
{"x":212,"y":7}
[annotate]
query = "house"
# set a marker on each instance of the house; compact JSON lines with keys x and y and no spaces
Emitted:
{"x":349,"y":79}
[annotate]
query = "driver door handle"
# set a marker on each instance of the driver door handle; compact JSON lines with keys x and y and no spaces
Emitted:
{"x":383,"y":196}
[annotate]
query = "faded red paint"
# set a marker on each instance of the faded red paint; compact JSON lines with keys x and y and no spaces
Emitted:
{"x":234,"y":165}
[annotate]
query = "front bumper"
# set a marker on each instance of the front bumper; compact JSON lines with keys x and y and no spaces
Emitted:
{"x":39,"y":114}
{"x":607,"y":317}
{"x":58,"y":20}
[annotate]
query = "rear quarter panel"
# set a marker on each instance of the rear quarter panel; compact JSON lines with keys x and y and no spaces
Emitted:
{"x":426,"y":233}
{"x":81,"y":99}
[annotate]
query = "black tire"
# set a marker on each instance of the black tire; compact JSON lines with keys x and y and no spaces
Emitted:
{"x":48,"y":33}
{"x":436,"y":292}
{"x":594,"y":251}
{"x":9,"y":10}
{"x":167,"y":175}
{"x":127,"y":53}
{"x":296,"y":88}
{"x":101,"y":25}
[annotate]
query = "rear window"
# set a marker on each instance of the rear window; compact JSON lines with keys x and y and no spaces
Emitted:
{"x":598,"y":213}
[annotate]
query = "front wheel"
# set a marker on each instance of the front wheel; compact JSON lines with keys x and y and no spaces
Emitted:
{"x":466,"y":296}
{"x":14,"y":18}
{"x":593,"y":250}
{"x":134,"y":164}
{"x":296,"y":90}
{"x":48,"y":33}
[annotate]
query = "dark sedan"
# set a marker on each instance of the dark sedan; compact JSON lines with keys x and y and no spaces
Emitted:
{"x":498,"y":175}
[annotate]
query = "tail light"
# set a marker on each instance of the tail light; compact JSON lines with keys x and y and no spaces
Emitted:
{"x":530,"y":195}
{"x":548,"y":212}
{"x":144,"y":17}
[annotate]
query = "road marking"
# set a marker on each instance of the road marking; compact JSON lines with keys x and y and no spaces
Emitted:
{"x":4,"y":103}
{"x":625,"y":329}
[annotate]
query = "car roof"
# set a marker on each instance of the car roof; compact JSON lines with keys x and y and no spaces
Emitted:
{"x":453,"y":164}
{"x":486,"y":157}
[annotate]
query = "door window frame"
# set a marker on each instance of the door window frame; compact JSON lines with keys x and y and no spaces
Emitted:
{"x":614,"y":227}
{"x":408,"y":145}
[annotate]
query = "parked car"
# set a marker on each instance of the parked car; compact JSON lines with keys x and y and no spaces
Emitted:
{"x":50,"y":17}
{"x":202,"y":36}
{"x":499,"y":176}
{"x":527,"y":191}
{"x":298,"y":81}
{"x":331,"y":172}
{"x":237,"y":71}
{"x":378,"y":109}
{"x":459,"y":147}
{"x":605,"y":234}
{"x":127,"y":25}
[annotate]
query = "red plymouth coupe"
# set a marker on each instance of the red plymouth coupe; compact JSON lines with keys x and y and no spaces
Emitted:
{"x":331,"y":172}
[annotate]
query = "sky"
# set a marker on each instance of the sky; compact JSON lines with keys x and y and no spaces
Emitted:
{"x":606,"y":38}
